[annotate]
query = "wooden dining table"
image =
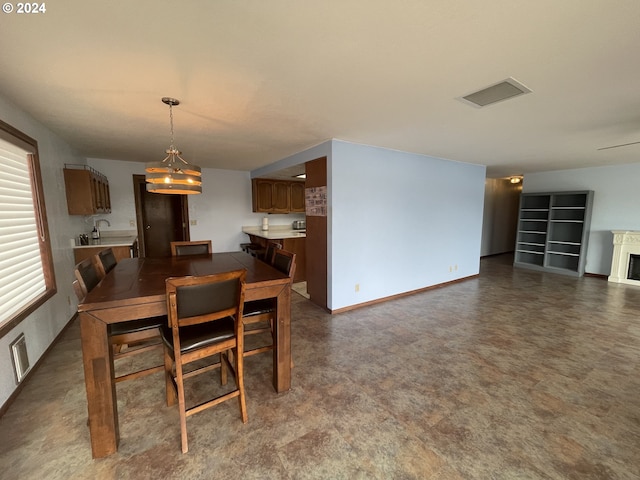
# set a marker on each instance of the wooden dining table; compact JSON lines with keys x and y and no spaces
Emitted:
{"x":135,"y":289}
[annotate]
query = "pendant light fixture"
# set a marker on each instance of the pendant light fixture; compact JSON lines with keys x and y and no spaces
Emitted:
{"x":173,"y":175}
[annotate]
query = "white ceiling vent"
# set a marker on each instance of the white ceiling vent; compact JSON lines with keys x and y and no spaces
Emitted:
{"x":495,"y":93}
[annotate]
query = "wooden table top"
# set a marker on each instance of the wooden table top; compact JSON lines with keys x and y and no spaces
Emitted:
{"x":142,"y":280}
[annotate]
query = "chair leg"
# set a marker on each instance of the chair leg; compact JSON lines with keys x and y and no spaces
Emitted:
{"x":182,"y":406}
{"x":240,"y":384}
{"x":223,"y":369}
{"x":170,"y":386}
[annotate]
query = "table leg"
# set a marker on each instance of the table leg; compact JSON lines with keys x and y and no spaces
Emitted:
{"x":97,"y":358}
{"x":282,"y":352}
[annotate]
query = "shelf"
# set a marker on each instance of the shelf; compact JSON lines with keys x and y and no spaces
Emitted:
{"x":528,"y":258}
{"x":535,"y":202}
{"x":570,"y":200}
{"x":554,"y":229}
{"x":563,"y":262}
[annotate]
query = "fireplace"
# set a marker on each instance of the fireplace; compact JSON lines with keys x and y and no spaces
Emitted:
{"x":634,"y":267}
{"x":625,"y":265}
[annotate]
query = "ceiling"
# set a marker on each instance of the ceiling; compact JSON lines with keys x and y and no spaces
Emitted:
{"x":259,"y":80}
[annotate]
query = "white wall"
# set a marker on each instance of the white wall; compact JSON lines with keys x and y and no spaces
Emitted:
{"x":219,"y":213}
{"x":615,"y":204}
{"x":42,"y":326}
{"x":400,"y":222}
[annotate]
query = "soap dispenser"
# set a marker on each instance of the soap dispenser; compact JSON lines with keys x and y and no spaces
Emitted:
{"x":95,"y":234}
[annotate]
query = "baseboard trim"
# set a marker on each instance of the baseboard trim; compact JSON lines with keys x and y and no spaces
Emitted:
{"x":400,"y":295}
{"x":597,"y":275}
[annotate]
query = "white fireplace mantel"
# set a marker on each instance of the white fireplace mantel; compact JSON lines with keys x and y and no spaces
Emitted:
{"x":625,"y":244}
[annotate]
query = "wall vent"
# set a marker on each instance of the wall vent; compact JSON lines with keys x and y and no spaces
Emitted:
{"x":495,"y":93}
{"x":20,"y":358}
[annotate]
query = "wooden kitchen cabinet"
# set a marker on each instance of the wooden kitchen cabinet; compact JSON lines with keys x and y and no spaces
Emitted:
{"x":120,"y":252}
{"x":297,"y":246}
{"x":277,"y":196}
{"x":87,"y":190}
{"x":297,"y":197}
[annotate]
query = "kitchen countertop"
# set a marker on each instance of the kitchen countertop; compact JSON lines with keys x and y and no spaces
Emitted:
{"x":275,"y":232}
{"x":110,"y":241}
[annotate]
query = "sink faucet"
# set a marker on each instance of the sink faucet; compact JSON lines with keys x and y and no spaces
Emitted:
{"x":102,"y":220}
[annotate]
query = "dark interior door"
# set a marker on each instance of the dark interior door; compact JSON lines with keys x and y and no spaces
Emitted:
{"x":161,"y":219}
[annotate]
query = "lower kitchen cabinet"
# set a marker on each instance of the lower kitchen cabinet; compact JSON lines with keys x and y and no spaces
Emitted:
{"x":294,"y":245}
{"x":120,"y":252}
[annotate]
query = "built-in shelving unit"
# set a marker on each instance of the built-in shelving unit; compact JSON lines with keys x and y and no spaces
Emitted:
{"x":553,"y":229}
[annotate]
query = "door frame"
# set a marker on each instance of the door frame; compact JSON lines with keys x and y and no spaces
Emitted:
{"x":139,"y":180}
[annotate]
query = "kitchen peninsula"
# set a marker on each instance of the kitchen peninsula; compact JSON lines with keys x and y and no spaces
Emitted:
{"x":288,"y":239}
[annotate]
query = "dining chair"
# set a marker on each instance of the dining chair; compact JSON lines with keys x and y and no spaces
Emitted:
{"x":87,"y":275}
{"x":128,"y":338}
{"x":199,"y":247}
{"x":205,"y":320}
{"x":106,"y":261}
{"x":258,"y":315}
{"x":267,"y":255}
{"x":253,"y":249}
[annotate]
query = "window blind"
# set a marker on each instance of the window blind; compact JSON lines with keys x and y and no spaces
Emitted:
{"x":21,"y":273}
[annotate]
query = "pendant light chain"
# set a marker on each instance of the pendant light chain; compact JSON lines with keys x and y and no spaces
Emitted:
{"x":166,"y":176}
{"x":171,"y":147}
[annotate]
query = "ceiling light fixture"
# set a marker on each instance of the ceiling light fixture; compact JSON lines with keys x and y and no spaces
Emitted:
{"x":173,"y":175}
{"x":515,"y":179}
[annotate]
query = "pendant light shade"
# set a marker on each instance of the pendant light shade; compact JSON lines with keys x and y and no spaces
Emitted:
{"x":173,"y":175}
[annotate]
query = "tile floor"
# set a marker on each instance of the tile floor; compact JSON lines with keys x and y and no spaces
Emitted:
{"x":512,"y":375}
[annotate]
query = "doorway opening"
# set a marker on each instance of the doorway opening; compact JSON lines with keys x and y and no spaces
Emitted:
{"x":161,"y":219}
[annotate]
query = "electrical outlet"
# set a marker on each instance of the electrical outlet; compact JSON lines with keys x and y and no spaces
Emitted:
{"x":132,"y":223}
{"x":455,"y":267}
{"x":357,"y":287}
{"x":450,"y":269}
{"x":193,"y":222}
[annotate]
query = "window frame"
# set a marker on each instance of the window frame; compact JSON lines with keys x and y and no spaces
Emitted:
{"x":16,"y":137}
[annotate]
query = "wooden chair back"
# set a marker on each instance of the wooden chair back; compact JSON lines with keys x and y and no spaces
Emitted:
{"x":87,"y":275}
{"x":198,"y":299}
{"x":199,"y":247}
{"x":78,"y":290}
{"x":267,"y":256}
{"x":284,"y":261}
{"x":105,"y":261}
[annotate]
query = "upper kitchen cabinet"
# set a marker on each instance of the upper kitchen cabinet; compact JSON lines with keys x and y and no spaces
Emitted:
{"x":87,"y":190}
{"x":297,"y":197}
{"x":277,"y":196}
